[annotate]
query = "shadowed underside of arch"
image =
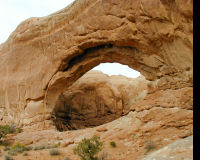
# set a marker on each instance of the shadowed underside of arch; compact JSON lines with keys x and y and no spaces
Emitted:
{"x":44,"y":56}
{"x":91,"y":57}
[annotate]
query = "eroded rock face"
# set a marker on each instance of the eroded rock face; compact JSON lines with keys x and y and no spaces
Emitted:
{"x":96,"y":99}
{"x":153,"y":120}
{"x":136,"y":135}
{"x":45,"y":54}
{"x":181,"y":149}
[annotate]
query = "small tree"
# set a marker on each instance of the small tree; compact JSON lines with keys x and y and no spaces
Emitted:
{"x":88,"y":148}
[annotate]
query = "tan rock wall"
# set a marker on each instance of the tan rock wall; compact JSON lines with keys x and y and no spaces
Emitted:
{"x":154,"y":37}
{"x":96,"y":99}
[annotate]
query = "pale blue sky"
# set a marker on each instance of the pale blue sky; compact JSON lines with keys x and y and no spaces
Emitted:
{"x":13,"y":12}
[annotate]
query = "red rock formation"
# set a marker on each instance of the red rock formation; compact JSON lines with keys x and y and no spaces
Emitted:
{"x":96,"y":99}
{"x":44,"y":56}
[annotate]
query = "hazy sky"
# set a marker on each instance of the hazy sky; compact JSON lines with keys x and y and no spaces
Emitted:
{"x":13,"y":12}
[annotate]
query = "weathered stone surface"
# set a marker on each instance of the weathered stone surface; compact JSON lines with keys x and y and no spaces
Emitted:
{"x":97,"y":98}
{"x":44,"y":56}
{"x":179,"y":150}
{"x":154,"y":122}
{"x":136,"y":134}
{"x":169,"y":98}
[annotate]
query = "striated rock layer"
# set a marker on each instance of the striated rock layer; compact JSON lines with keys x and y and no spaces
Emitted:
{"x":44,"y":56}
{"x":97,"y":98}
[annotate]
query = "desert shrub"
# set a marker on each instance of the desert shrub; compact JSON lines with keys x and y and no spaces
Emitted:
{"x":28,"y":148}
{"x":6,"y":148}
{"x":50,"y":147}
{"x":53,"y":146}
{"x":19,"y":130}
{"x":6,"y":129}
{"x":39,"y":148}
{"x":12,"y":153}
{"x":4,"y":142}
{"x":7,"y":157}
{"x":67,"y":158}
{"x":113,"y":144}
{"x":12,"y":128}
{"x":88,"y":148}
{"x":15,"y":129}
{"x":54,"y":152}
{"x":46,"y":147}
{"x":17,"y":148}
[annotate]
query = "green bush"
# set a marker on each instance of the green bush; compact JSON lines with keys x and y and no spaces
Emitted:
{"x":113,"y":144}
{"x":18,"y":148}
{"x":88,"y":148}
{"x":17,"y":145}
{"x":6,"y":129}
{"x":54,"y":152}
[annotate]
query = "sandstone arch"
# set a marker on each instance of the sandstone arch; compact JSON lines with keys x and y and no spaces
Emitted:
{"x":151,"y":36}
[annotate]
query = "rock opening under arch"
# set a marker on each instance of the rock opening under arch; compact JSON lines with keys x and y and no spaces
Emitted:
{"x":96,"y":99}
